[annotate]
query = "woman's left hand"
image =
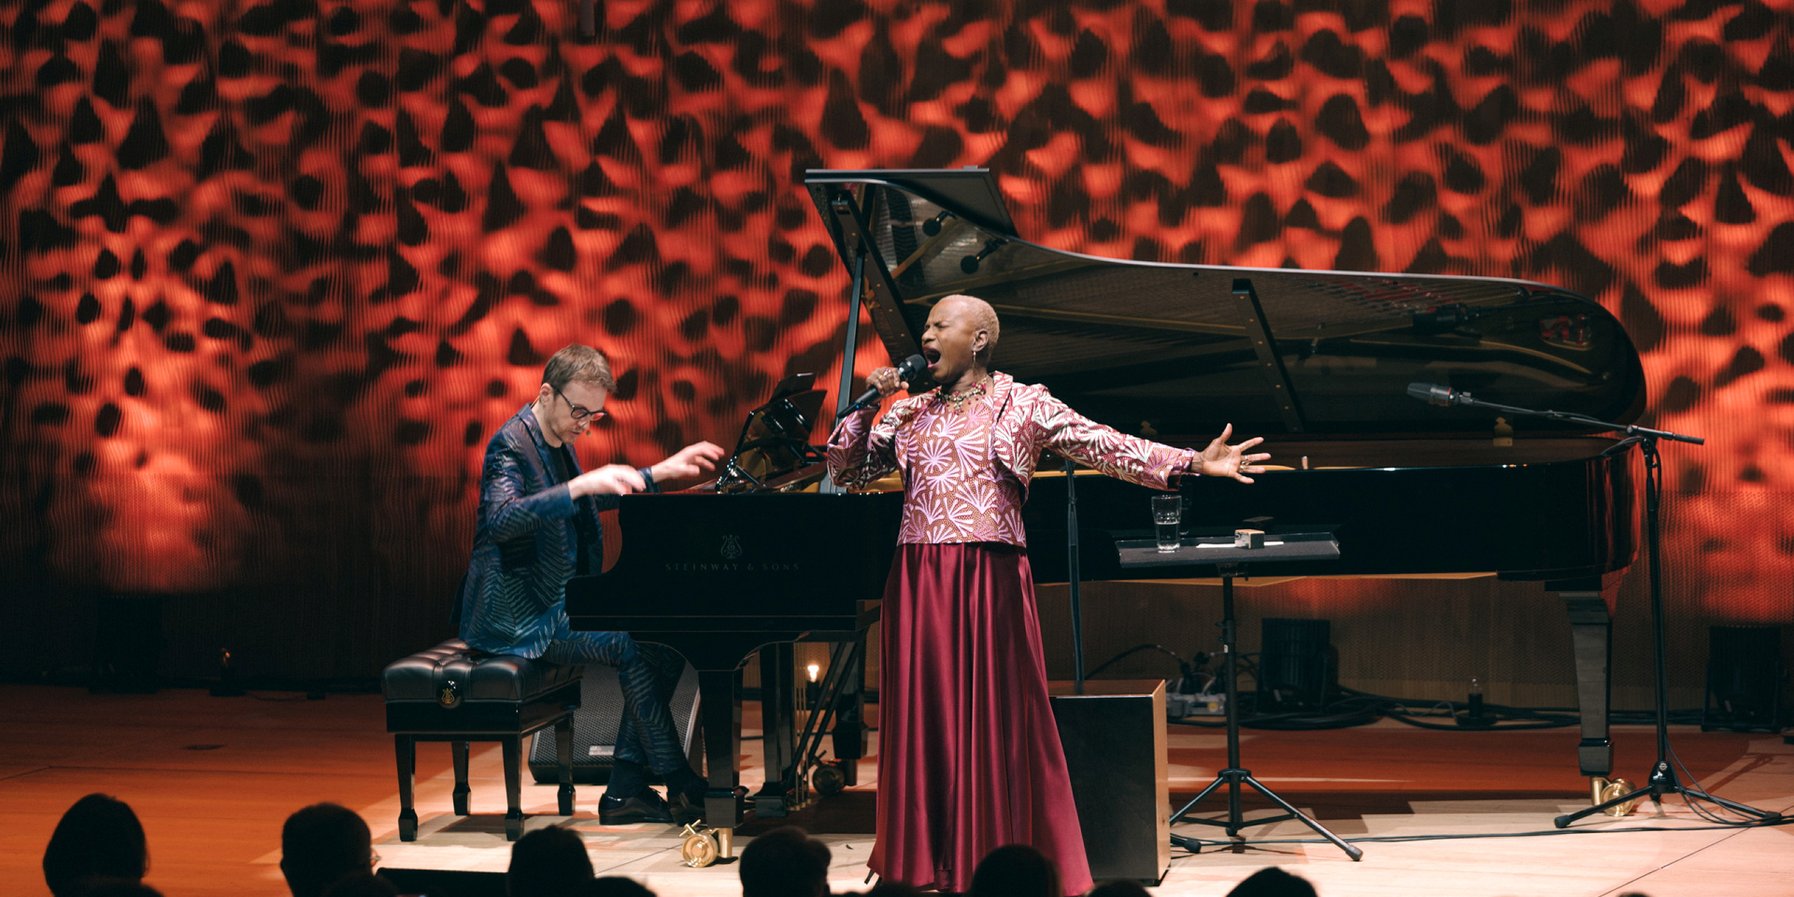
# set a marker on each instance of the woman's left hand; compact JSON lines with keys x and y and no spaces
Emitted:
{"x":1236,"y":461}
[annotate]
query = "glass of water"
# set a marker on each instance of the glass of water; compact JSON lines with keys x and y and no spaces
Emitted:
{"x":1167,"y":514}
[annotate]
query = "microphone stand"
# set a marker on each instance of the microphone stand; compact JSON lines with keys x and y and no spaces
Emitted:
{"x":1663,"y":779}
{"x":1073,"y":576}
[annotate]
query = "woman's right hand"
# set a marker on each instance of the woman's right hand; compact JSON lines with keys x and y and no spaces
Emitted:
{"x":887,"y":380}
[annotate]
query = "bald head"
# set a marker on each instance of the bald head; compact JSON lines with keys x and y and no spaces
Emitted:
{"x":982,"y":316}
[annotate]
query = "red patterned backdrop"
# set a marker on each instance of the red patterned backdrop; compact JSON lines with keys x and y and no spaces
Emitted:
{"x":270,"y":273}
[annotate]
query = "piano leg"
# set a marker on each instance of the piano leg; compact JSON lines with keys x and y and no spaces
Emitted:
{"x":1591,"y":638}
{"x":778,"y":720}
{"x":850,"y":716}
{"x":719,"y":692}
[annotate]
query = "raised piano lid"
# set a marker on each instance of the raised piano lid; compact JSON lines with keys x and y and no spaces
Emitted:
{"x":1181,"y":349}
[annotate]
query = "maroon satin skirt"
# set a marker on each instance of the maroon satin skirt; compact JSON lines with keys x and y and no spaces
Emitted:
{"x":968,"y":755}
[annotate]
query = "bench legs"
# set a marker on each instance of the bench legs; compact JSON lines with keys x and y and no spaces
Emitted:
{"x":405,"y":749}
{"x":458,"y":751}
{"x":563,"y":757}
{"x":513,"y":787}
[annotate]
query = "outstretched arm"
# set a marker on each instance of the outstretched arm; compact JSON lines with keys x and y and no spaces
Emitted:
{"x":1236,"y":461}
{"x":1139,"y":460}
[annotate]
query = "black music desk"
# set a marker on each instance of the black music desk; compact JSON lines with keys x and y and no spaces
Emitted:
{"x":1228,"y":560}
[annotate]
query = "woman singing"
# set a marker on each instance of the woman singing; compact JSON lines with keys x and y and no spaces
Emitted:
{"x":968,"y":756}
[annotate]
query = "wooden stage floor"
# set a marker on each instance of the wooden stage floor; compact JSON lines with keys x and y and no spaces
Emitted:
{"x":1465,"y":813}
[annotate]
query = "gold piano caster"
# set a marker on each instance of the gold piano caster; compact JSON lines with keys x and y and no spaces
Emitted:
{"x":705,"y":845}
{"x":1601,"y":790}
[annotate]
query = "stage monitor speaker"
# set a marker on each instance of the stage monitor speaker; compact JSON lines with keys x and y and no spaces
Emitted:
{"x":1297,"y":666}
{"x":1115,"y":749}
{"x":595,"y":727}
{"x":1744,"y":679}
{"x":445,"y":882}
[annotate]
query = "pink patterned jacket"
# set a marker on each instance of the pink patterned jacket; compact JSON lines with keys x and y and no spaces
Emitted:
{"x":966,"y":471}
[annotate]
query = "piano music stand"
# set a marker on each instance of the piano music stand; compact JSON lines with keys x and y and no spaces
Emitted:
{"x":774,"y":438}
{"x":1230,"y":561}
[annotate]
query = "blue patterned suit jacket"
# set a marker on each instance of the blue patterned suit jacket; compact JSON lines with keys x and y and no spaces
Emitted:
{"x":527,"y":544}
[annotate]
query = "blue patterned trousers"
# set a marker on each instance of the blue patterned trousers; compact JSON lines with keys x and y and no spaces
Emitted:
{"x":649,"y":674}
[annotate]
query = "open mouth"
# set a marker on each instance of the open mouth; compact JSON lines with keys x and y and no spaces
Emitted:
{"x":932,"y":356}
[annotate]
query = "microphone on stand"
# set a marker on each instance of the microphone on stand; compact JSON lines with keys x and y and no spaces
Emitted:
{"x":1434,"y":394}
{"x":911,"y":368}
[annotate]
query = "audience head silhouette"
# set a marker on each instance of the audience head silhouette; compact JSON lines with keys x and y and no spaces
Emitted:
{"x":321,"y":845}
{"x":1119,"y":889}
{"x":362,"y":884}
{"x":784,"y":862}
{"x":116,"y":887}
{"x":888,"y":888}
{"x":548,"y":862}
{"x":1272,"y":882}
{"x":1015,"y":870}
{"x":615,"y":886}
{"x":99,"y":837}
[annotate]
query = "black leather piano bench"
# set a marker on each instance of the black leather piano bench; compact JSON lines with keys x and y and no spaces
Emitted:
{"x":455,"y":694}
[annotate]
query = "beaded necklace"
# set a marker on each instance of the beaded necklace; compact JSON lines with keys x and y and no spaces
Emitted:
{"x":959,"y":399}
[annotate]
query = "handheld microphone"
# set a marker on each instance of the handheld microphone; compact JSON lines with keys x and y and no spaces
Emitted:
{"x":911,"y":368}
{"x":1434,"y":394}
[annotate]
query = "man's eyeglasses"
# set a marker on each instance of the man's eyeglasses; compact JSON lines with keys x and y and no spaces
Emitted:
{"x":580,"y":413}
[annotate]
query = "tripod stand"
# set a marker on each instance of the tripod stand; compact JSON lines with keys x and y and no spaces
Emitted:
{"x":1230,"y":560}
{"x":1234,"y":775}
{"x":1663,"y":778}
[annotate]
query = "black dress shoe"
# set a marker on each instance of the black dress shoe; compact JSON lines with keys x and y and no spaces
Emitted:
{"x":647,"y":806}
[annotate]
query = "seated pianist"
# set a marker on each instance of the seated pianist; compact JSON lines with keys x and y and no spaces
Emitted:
{"x":538,"y":526}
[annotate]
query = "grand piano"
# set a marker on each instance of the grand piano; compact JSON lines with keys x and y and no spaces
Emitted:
{"x":757,"y":560}
{"x":1317,"y":362}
